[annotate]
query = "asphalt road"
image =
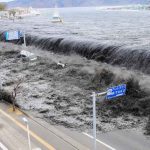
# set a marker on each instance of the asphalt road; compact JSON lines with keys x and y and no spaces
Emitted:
{"x":129,"y":139}
{"x":13,"y":135}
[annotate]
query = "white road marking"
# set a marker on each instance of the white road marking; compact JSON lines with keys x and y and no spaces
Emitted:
{"x":37,"y":149}
{"x":3,"y":147}
{"x":99,"y":141}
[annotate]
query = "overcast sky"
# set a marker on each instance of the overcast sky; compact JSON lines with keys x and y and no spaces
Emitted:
{"x":5,"y":0}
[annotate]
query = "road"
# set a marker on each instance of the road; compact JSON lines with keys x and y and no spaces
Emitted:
{"x":13,"y":135}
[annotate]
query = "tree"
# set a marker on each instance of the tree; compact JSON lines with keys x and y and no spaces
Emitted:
{"x":2,"y":6}
{"x":12,"y":12}
{"x":14,"y":93}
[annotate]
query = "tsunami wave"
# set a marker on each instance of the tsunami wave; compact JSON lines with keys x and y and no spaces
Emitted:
{"x":111,"y":54}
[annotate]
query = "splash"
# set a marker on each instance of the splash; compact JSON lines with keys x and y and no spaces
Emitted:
{"x":133,"y":59}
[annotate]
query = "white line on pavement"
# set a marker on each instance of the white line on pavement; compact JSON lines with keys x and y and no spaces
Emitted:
{"x":36,"y":149}
{"x":3,"y":147}
{"x":99,"y":141}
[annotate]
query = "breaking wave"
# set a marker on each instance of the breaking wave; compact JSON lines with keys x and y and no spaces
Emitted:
{"x":111,"y":54}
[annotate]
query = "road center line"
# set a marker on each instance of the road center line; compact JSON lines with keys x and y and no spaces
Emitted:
{"x":99,"y":141}
{"x":31,"y":133}
{"x":3,"y":147}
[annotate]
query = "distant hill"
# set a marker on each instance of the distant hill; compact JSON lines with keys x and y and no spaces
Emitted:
{"x":72,"y":3}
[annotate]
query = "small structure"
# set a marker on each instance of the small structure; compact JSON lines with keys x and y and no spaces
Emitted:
{"x":4,"y":14}
{"x":27,"y":55}
{"x":18,"y":13}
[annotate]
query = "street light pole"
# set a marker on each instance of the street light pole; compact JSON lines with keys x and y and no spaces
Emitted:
{"x":29,"y":140}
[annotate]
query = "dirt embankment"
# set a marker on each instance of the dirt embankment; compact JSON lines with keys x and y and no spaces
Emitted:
{"x":61,"y":95}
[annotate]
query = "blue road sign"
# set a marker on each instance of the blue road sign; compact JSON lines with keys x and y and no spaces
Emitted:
{"x":116,"y":91}
{"x":12,"y":35}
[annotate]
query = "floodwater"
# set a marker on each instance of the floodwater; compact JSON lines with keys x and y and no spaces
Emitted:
{"x":129,"y":28}
{"x":63,"y":95}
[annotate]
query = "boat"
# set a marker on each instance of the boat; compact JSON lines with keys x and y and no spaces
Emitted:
{"x":34,"y":12}
{"x":56,"y":17}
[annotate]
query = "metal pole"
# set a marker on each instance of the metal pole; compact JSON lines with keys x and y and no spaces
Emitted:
{"x":24,"y":39}
{"x":94,"y":120}
{"x":29,"y":140}
{"x":1,"y":84}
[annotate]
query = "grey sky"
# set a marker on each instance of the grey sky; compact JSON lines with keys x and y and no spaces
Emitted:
{"x":5,"y":0}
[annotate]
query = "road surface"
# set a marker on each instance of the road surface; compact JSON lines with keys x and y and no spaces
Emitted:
{"x":13,"y":135}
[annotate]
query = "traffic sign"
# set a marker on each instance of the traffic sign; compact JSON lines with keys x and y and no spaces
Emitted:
{"x":116,"y":91}
{"x":110,"y":93}
{"x":12,"y":35}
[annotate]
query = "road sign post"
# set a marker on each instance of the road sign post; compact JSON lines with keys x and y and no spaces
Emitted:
{"x":15,"y":35}
{"x":110,"y":94}
{"x":94,"y":117}
{"x":94,"y":120}
{"x":1,"y":85}
{"x":24,"y":37}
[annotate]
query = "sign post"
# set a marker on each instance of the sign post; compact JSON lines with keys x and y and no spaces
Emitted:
{"x":94,"y":119}
{"x":24,"y":37}
{"x":15,"y":35}
{"x":110,"y":94}
{"x":1,"y":84}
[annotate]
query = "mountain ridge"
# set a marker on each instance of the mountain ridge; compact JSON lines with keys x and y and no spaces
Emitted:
{"x":71,"y":3}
